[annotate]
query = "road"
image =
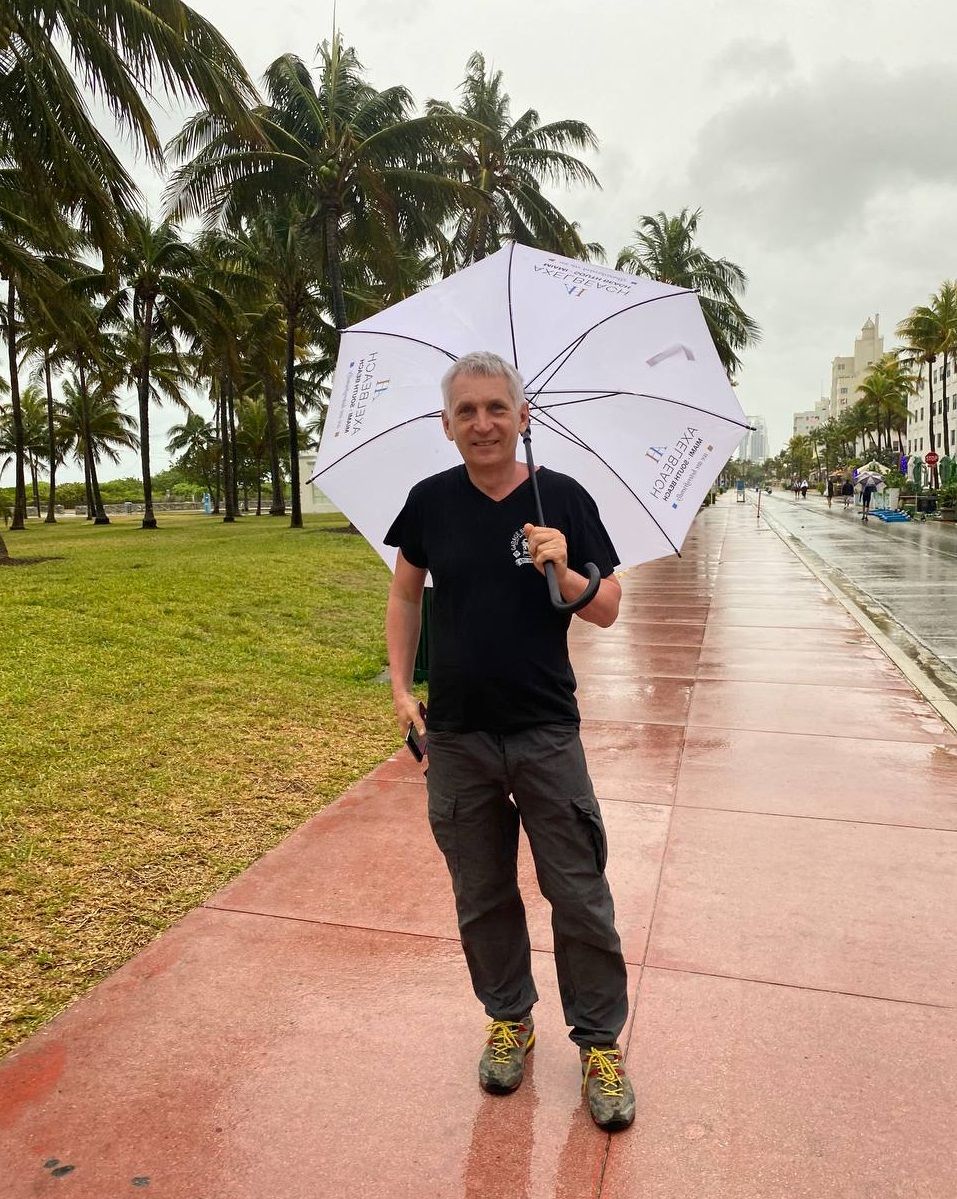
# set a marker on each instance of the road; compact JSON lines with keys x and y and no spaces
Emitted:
{"x":909,"y":571}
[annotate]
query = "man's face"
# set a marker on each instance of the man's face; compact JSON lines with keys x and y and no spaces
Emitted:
{"x":483,"y":421}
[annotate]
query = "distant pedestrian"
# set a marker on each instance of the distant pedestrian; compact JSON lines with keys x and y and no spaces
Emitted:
{"x":804,"y":489}
{"x":830,"y":491}
{"x":847,"y":491}
{"x":867,"y":492}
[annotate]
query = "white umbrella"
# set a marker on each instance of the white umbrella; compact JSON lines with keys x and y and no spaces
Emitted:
{"x":626,"y":391}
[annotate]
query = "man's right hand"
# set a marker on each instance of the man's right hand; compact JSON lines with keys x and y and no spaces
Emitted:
{"x":407,"y":712}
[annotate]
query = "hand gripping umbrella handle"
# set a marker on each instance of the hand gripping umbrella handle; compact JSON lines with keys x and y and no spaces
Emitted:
{"x":554,"y":592}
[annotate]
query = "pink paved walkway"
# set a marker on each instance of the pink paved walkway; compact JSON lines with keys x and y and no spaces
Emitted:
{"x":781,"y":808}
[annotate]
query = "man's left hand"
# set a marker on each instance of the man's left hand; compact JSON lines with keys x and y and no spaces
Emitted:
{"x":547,"y":545}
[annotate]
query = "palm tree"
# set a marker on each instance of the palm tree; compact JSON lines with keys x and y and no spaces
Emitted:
{"x":198,"y":448}
{"x":26,"y":237}
{"x":161,"y":300}
{"x":121,"y":51}
{"x":350,"y":160}
{"x":253,"y":437}
{"x":884,"y":394}
{"x":503,"y":163}
{"x":665,"y":249}
{"x":944,"y":307}
{"x":92,"y":427}
{"x":926,"y":335}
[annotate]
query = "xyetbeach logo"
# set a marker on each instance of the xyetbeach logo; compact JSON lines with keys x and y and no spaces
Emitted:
{"x":366,"y":384}
{"x":677,"y":466}
{"x":579,"y":281}
{"x":520,"y":549}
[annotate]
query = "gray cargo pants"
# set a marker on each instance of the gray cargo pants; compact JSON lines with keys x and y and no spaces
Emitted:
{"x":475,"y":823}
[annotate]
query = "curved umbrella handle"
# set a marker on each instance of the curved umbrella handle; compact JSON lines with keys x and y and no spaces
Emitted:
{"x":586,"y":597}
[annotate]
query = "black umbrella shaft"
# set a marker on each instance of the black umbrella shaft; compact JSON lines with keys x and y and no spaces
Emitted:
{"x":532,"y":473}
{"x":554,"y":591}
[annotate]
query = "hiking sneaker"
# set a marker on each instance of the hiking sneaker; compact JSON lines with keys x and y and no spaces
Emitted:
{"x":502,"y":1065}
{"x":611,"y":1099}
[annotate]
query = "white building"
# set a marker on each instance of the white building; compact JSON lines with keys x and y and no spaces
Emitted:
{"x":753,"y":446}
{"x":310,"y":497}
{"x":918,"y":412}
{"x":848,"y":373}
{"x":807,"y":422}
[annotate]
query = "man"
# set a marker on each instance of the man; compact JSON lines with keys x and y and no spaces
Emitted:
{"x":867,"y":494}
{"x":503,"y":739}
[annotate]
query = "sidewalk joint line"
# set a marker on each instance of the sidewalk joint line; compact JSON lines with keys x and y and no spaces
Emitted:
{"x":768,"y":982}
{"x":929,"y":828}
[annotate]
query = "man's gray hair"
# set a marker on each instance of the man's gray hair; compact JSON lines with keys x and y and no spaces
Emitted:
{"x":484,"y":364}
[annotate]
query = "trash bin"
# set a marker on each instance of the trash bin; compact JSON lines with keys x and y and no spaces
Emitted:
{"x":926,"y":504}
{"x":420,"y":672}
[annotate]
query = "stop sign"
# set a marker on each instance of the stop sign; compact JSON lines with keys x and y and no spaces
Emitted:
{"x":932,"y":458}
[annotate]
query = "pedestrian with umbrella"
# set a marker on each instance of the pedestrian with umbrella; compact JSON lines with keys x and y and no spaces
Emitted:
{"x":869,"y":482}
{"x":621,"y":381}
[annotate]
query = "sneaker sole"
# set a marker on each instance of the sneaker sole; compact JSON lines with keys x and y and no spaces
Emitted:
{"x":492,"y":1089}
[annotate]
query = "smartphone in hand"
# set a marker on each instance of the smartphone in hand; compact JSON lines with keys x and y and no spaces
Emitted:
{"x":418,"y":746}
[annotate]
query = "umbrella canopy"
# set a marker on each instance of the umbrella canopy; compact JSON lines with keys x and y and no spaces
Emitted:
{"x":625,"y":388}
{"x":868,"y":476}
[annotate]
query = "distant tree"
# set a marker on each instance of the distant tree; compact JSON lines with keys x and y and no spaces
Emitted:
{"x":502,"y":162}
{"x":93,"y":426}
{"x":665,"y":249}
{"x":159,"y":300}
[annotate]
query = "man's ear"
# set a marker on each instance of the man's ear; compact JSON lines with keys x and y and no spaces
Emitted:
{"x":445,"y":425}
{"x":523,"y":417}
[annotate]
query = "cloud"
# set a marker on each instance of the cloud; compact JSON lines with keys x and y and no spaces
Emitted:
{"x":803,"y":162}
{"x":746,"y":58}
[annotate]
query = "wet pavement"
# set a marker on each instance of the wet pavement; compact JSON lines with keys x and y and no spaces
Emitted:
{"x":781,"y":808}
{"x":910,"y":569}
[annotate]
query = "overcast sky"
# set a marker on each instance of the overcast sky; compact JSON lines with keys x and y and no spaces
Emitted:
{"x":817,"y":138}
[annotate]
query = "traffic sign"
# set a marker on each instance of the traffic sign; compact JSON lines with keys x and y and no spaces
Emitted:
{"x":932,"y":458}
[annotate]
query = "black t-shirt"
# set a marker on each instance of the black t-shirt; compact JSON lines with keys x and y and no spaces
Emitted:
{"x":498,"y":650}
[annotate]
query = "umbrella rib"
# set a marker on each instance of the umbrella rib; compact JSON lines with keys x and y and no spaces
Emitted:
{"x":369,"y":441}
{"x":562,"y":431}
{"x":511,"y":319}
{"x":402,"y":337}
{"x":573,"y":346}
{"x":643,"y":395}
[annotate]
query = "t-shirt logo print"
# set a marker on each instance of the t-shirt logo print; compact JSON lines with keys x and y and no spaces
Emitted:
{"x":520,"y":549}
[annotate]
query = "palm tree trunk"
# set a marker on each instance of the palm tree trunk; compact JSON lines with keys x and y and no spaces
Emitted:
{"x":96,"y":500}
{"x":295,"y":521}
{"x":946,"y":425}
{"x":930,"y":420}
{"x":20,"y":487}
{"x":259,"y":488}
{"x":51,"y":442}
{"x":231,"y":411}
{"x":149,"y":518}
{"x":226,"y":455}
{"x":4,"y":553}
{"x":34,"y":482}
{"x":334,"y":268}
{"x":219,"y":461}
{"x":278,"y":505}
{"x":100,"y":517}
{"x":86,"y":481}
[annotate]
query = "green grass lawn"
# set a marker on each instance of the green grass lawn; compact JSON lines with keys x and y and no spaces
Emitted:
{"x":171,"y":704}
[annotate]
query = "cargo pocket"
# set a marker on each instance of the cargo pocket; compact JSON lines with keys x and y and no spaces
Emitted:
{"x":442,"y":821}
{"x":586,"y":807}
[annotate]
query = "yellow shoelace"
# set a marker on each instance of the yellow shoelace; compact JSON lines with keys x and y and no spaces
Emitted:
{"x":502,"y":1038}
{"x":606,"y":1061}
